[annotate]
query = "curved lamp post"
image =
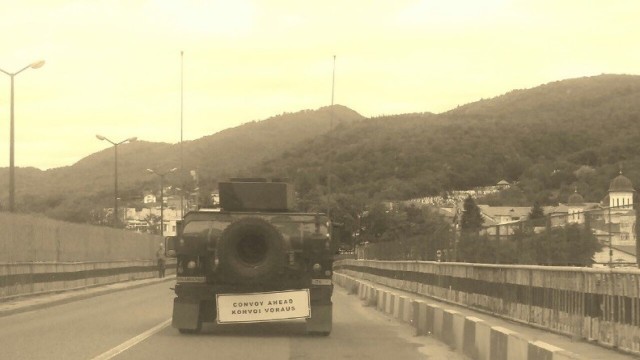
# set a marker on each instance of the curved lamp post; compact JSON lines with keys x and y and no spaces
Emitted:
{"x":161,"y":176}
{"x":12,"y":188}
{"x":115,"y":196}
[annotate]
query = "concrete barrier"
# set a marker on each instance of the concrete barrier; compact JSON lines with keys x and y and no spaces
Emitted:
{"x":468,"y":335}
{"x":596,"y":305}
{"x":21,"y":279}
{"x":388,"y":302}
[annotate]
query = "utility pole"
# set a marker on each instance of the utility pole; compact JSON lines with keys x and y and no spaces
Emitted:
{"x":181,"y":132}
{"x":161,"y":176}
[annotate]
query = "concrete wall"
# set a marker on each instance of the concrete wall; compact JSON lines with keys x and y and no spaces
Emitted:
{"x":40,"y":255}
{"x":28,"y":238}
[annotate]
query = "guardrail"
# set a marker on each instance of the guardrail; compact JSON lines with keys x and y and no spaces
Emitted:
{"x":32,"y":278}
{"x":601,"y":305}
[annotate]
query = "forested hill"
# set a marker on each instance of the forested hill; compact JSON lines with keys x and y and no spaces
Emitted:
{"x":551,"y":138}
{"x":70,"y":192}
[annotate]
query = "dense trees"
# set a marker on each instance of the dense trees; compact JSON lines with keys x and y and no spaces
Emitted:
{"x":404,"y":232}
{"x":410,"y":233}
{"x":572,"y":245}
{"x":546,"y":139}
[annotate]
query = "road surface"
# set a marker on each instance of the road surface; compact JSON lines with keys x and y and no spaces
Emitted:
{"x":135,"y":324}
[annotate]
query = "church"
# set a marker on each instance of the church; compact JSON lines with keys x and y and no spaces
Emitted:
{"x":613,"y":221}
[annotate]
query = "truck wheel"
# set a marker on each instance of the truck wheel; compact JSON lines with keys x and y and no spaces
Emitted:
{"x":321,"y":321}
{"x":183,"y":316}
{"x":251,"y":249}
{"x":192,"y":331}
{"x":319,"y":333}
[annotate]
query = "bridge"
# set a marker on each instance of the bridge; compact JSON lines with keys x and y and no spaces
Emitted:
{"x":478,"y":311}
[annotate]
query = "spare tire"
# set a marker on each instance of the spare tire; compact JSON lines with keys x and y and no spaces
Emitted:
{"x":250,"y":250}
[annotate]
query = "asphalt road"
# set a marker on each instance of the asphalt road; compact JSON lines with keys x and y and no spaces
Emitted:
{"x":135,"y":324}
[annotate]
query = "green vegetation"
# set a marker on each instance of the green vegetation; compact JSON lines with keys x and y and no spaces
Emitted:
{"x":405,"y":233}
{"x":409,"y":233}
{"x":548,"y":140}
{"x":69,"y":193}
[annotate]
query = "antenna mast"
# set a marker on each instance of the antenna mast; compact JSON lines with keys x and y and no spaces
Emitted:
{"x":329,"y":190}
{"x":181,"y":150}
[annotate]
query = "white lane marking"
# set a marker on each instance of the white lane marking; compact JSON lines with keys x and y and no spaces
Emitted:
{"x":133,"y":341}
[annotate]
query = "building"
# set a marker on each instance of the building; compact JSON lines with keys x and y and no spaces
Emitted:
{"x":503,"y":220}
{"x":613,"y":220}
{"x":149,"y":198}
{"x":503,"y":184}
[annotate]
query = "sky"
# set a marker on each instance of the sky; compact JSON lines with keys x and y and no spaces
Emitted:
{"x":114,"y":67}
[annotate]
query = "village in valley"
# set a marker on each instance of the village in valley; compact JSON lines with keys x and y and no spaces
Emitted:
{"x":612,"y":220}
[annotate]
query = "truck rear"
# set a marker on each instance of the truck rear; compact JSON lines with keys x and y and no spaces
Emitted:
{"x":255,"y":260}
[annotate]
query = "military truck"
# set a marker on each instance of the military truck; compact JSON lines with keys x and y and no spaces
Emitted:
{"x":253,"y":260}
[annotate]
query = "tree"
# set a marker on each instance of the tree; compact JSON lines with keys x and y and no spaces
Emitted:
{"x":536,"y":211}
{"x":472,"y":247}
{"x":572,"y":245}
{"x":536,"y":215}
{"x":153,"y":223}
{"x":472,"y":220}
{"x":476,"y":248}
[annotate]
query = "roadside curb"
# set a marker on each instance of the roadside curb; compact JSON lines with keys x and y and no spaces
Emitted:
{"x":30,"y":303}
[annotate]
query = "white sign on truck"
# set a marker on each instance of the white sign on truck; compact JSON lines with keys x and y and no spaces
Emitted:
{"x":267,"y":306}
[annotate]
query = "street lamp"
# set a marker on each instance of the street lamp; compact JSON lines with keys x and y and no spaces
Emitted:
{"x":182,"y":192}
{"x":161,"y":176}
{"x":12,"y":188}
{"x":115,"y":195}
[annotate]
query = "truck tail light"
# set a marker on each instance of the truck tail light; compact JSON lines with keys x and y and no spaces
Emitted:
{"x":216,"y":261}
{"x":189,"y":266}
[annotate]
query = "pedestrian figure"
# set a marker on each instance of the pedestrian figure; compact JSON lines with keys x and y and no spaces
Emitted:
{"x":161,"y":260}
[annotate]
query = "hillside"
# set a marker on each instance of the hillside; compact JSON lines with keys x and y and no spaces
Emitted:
{"x":540,"y":137}
{"x":549,"y":139}
{"x":68,"y":192}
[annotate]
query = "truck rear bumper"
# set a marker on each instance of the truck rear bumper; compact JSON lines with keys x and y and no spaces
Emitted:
{"x":319,"y":294}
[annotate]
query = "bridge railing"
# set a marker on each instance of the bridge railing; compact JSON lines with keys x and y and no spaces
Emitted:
{"x":601,"y":305}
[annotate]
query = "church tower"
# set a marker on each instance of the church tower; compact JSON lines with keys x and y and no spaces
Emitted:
{"x":621,"y":213}
{"x":621,"y":193}
{"x":575,"y":208}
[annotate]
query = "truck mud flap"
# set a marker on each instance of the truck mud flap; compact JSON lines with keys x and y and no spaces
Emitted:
{"x":320,"y":322}
{"x":186,"y":314}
